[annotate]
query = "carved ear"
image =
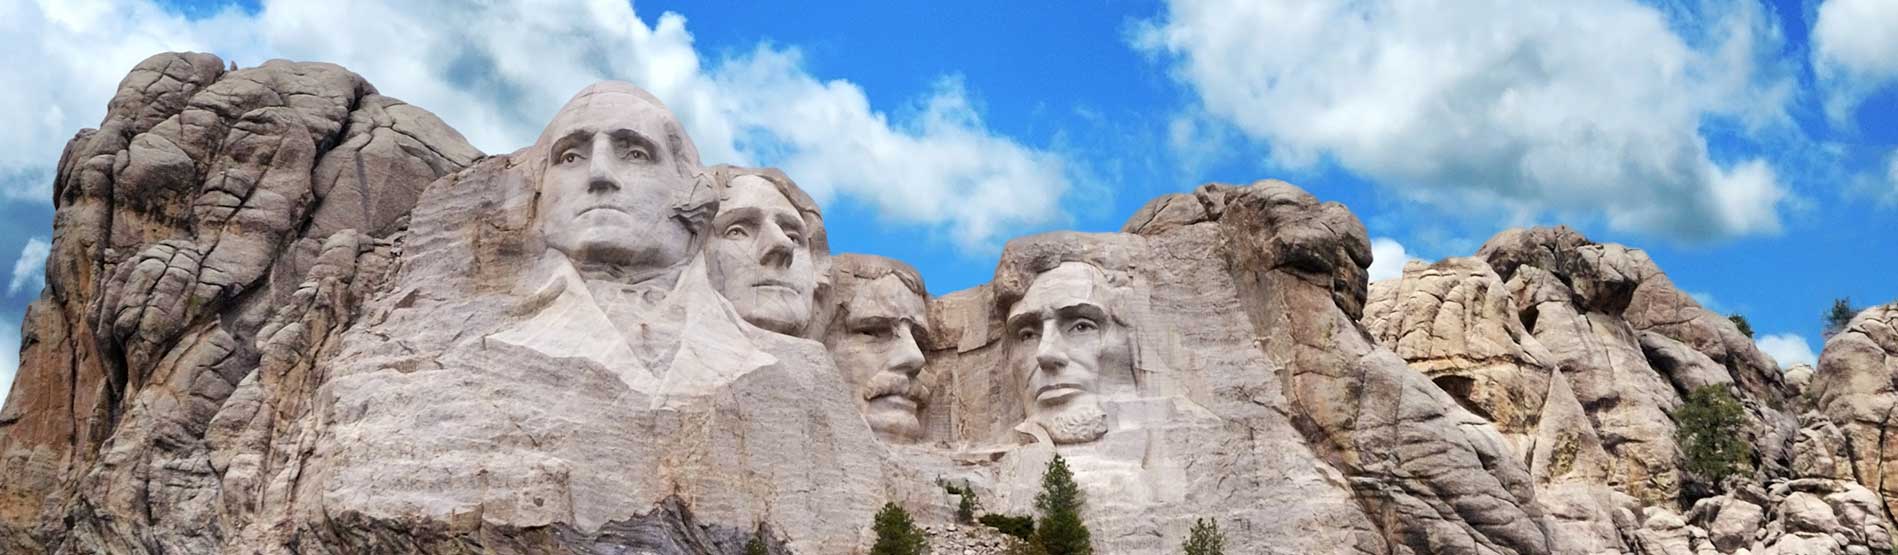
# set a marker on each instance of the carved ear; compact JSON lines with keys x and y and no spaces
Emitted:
{"x":699,"y":205}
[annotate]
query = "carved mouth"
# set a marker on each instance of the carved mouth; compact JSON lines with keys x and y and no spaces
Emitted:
{"x":601,"y":207}
{"x":896,"y":400}
{"x":775,"y":284}
{"x":1057,"y":392}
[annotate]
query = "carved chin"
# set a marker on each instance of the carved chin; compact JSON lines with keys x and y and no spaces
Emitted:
{"x":1077,"y":423}
{"x":781,"y":319}
{"x":894,"y":425}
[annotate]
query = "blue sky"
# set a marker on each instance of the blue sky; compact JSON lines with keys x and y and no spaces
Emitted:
{"x":1751,"y":148}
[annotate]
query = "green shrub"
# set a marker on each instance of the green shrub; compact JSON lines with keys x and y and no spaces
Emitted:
{"x":1739,"y":321}
{"x":1060,"y":530}
{"x":1205,"y":539}
{"x":756,"y":546}
{"x":1710,"y":430}
{"x":896,"y":533}
{"x":967,"y":507}
{"x":1018,"y":526}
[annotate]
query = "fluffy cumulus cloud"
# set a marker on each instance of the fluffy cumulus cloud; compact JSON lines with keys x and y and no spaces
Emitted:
{"x":1576,"y":108}
{"x":1388,"y":258}
{"x":496,"y":71}
{"x":1854,"y":52}
{"x":1788,"y":348}
{"x":29,"y":270}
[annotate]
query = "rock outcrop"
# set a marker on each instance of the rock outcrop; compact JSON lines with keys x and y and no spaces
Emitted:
{"x":286,"y":314}
{"x":202,"y":202}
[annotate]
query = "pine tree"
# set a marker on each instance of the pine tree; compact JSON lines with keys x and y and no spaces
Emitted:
{"x":1205,"y":539}
{"x":1060,"y":530}
{"x":1746,"y":328}
{"x":1710,"y":428}
{"x":756,"y":546}
{"x":967,"y":507}
{"x":1839,"y":316}
{"x":896,"y":533}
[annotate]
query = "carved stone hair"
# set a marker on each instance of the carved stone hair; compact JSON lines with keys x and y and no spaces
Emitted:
{"x":852,"y":271}
{"x":1026,"y":258}
{"x":818,"y":240}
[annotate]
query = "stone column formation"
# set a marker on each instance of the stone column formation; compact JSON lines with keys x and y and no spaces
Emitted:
{"x":286,"y":314}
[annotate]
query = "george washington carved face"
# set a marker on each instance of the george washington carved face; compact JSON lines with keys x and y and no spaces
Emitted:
{"x":619,"y":194}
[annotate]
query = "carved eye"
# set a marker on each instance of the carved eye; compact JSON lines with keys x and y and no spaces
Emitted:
{"x":1083,"y":326}
{"x":639,"y":154}
{"x":1028,"y":334}
{"x":796,"y":238}
{"x":736,"y":232}
{"x":570,"y":157}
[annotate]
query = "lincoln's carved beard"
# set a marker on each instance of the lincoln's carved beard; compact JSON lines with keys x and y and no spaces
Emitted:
{"x":1081,"y":423}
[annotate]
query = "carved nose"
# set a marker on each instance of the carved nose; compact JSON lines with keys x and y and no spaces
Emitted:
{"x":1050,"y":355}
{"x":907,"y":357}
{"x":601,"y":181}
{"x":600,"y":178}
{"x":778,"y":248}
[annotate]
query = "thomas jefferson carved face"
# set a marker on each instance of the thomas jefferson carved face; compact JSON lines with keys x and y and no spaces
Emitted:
{"x":760,"y":255}
{"x":877,"y":348}
{"x":618,"y":172}
{"x":1063,"y":339}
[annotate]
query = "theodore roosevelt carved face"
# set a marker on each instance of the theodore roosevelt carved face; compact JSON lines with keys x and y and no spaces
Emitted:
{"x":1064,"y":337}
{"x":876,"y":340}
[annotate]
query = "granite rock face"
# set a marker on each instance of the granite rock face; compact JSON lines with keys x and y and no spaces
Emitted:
{"x":199,"y":205}
{"x":1854,"y":388}
{"x":285,"y":314}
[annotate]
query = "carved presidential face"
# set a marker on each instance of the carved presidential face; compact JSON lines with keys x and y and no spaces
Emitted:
{"x":877,"y":347}
{"x":760,"y":256}
{"x":613,"y":184}
{"x":1063,"y":341}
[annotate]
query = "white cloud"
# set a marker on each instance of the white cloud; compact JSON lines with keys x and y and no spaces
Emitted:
{"x":1706,"y":300}
{"x":1788,"y":348}
{"x":1388,"y":259}
{"x":1854,"y":52}
{"x":29,"y":270}
{"x":496,"y":71}
{"x":1572,"y":107}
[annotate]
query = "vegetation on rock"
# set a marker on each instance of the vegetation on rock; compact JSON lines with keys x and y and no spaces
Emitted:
{"x":1060,"y":530}
{"x":896,"y":533}
{"x":1740,"y":322}
{"x":1018,"y":526}
{"x":1840,"y":315}
{"x":1205,"y":539}
{"x":1710,"y":426}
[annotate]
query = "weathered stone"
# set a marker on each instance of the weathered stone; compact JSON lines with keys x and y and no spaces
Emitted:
{"x":1854,"y":389}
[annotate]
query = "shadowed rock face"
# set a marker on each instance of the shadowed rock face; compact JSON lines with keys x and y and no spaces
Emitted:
{"x":285,"y":314}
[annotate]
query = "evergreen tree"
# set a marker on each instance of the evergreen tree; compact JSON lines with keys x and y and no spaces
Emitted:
{"x":1205,"y":539}
{"x":1839,"y":316}
{"x":966,"y":508}
{"x":1740,"y":322}
{"x":1060,"y":530}
{"x":1710,"y":431}
{"x":896,"y":533}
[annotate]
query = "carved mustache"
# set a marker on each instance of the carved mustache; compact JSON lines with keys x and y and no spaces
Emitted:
{"x":892,"y":383}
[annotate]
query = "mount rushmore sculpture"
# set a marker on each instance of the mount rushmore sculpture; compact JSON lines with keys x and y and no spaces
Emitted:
{"x":286,"y":314}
